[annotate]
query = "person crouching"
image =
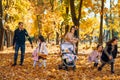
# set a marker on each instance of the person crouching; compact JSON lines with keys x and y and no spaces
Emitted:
{"x":109,"y":54}
{"x":95,"y":55}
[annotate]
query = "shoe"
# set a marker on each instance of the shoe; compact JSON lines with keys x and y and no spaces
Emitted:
{"x":14,"y":64}
{"x":112,"y":72}
{"x":40,"y":65}
{"x":99,"y":68}
{"x":74,"y":68}
{"x":95,"y":64}
{"x":21,"y":64}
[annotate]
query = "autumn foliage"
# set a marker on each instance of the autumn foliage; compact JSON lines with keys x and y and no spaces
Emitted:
{"x":50,"y":18}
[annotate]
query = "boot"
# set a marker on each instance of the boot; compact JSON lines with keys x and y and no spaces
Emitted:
{"x":14,"y":64}
{"x":112,"y":68}
{"x":100,"y":68}
{"x":95,"y":64}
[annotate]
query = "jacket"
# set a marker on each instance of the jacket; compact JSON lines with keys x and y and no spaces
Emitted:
{"x":109,"y":50}
{"x":40,"y":49}
{"x":94,"y":55}
{"x":20,"y":36}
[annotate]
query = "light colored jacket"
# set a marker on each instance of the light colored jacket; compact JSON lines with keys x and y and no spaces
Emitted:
{"x":43,"y":48}
{"x":40,"y":49}
{"x":94,"y":55}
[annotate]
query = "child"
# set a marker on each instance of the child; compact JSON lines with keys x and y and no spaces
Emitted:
{"x":35,"y":56}
{"x":40,"y":52}
{"x":109,"y":54}
{"x":95,"y":55}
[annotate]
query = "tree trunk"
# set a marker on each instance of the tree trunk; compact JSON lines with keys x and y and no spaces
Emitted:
{"x":113,"y":33}
{"x":107,"y":32}
{"x":40,"y":2}
{"x":107,"y":35}
{"x":57,"y":38}
{"x":90,"y":40}
{"x":48,"y":38}
{"x":75,"y":19}
{"x":101,"y":24}
{"x":1,"y":27}
{"x":67,"y":26}
{"x":66,"y":29}
{"x":66,"y":22}
{"x":9,"y":37}
{"x":52,"y":4}
{"x":39,"y":24}
{"x":119,"y":10}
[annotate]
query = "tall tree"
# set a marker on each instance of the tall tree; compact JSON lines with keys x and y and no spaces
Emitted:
{"x":9,"y":35}
{"x":67,"y":15}
{"x":1,"y":27}
{"x":119,"y":11}
{"x":101,"y":24}
{"x":76,"y":19}
{"x":111,"y":17}
{"x":107,"y":32}
{"x":52,"y":4}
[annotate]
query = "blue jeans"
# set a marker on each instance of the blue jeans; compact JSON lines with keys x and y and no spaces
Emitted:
{"x":22,"y":48}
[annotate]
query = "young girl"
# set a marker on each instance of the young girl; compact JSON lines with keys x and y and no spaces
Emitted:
{"x":95,"y":55}
{"x":40,"y":52}
{"x":109,"y":54}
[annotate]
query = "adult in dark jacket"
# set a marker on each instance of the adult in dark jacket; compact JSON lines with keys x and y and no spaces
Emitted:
{"x":109,"y":54}
{"x":20,"y":35}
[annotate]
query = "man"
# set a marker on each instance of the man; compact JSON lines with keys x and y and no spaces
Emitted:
{"x":20,"y":35}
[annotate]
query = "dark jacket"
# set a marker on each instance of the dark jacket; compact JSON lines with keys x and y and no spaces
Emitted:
{"x":20,"y":36}
{"x":108,"y":50}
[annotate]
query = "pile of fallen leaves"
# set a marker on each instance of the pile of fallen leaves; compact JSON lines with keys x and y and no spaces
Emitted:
{"x":84,"y":70}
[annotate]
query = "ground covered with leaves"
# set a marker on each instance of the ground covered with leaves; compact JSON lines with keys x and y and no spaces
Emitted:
{"x":84,"y":70}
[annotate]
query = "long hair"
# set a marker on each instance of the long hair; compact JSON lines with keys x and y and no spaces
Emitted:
{"x":96,"y":48}
{"x":71,"y":28}
{"x":41,"y":38}
{"x":111,"y":41}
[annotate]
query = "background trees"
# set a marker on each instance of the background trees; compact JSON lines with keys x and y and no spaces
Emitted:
{"x":1,"y":27}
{"x":97,"y":21}
{"x":101,"y":24}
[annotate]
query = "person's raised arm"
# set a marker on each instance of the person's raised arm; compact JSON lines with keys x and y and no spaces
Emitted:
{"x":26,"y":33}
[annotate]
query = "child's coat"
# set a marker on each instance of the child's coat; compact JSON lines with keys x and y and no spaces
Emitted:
{"x":40,"y":49}
{"x":94,"y":55}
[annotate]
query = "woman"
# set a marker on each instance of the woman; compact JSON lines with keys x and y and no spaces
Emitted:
{"x":109,"y":54}
{"x":69,"y":37}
